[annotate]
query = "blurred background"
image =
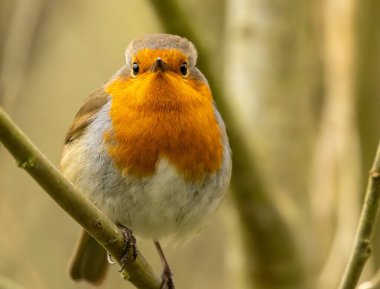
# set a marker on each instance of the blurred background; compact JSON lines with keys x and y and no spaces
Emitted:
{"x":298,"y":85}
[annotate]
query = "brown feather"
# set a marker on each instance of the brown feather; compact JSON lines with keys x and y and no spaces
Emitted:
{"x":86,"y":113}
{"x":89,"y":261}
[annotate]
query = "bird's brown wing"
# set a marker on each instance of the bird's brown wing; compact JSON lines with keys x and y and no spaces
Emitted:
{"x":86,"y":113}
{"x":89,"y":261}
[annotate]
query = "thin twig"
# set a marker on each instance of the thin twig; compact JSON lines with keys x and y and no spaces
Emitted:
{"x":73,"y":202}
{"x":362,"y":246}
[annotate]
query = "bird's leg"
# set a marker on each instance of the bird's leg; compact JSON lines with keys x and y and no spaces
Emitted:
{"x":167,"y":275}
{"x":130,"y":243}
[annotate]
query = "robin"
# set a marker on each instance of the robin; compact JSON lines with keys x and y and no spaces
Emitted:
{"x":150,"y":149}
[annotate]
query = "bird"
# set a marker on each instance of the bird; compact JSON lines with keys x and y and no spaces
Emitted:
{"x":150,"y":149}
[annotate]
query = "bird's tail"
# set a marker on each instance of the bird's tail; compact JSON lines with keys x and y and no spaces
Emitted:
{"x":89,"y":261}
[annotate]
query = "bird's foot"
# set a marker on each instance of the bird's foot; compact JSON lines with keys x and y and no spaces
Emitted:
{"x":109,"y":259}
{"x":167,"y":279}
{"x":130,"y":244}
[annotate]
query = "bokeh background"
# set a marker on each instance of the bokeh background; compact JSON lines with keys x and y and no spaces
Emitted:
{"x":298,"y":83}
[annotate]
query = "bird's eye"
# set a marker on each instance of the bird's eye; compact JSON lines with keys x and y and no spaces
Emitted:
{"x":183,"y":69}
{"x":135,"y":68}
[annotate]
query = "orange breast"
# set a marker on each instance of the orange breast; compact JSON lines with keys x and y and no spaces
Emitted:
{"x":163,"y":115}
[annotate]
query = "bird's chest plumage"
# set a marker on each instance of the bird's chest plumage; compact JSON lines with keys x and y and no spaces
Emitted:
{"x":157,"y":161}
{"x":156,"y":121}
{"x":154,"y":206}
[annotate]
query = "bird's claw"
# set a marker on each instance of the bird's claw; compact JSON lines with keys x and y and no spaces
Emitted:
{"x":167,"y":279}
{"x":109,"y":259}
{"x":130,"y":244}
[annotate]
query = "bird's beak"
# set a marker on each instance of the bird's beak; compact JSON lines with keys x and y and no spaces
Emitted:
{"x":159,"y":65}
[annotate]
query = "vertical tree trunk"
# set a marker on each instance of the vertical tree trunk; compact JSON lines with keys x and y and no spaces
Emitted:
{"x":335,"y":180}
{"x":270,"y":79}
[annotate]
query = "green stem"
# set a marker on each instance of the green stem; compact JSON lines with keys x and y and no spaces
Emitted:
{"x":73,"y":202}
{"x":362,"y":245}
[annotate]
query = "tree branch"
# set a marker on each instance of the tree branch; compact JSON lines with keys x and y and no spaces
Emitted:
{"x":362,"y":246}
{"x":73,"y":202}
